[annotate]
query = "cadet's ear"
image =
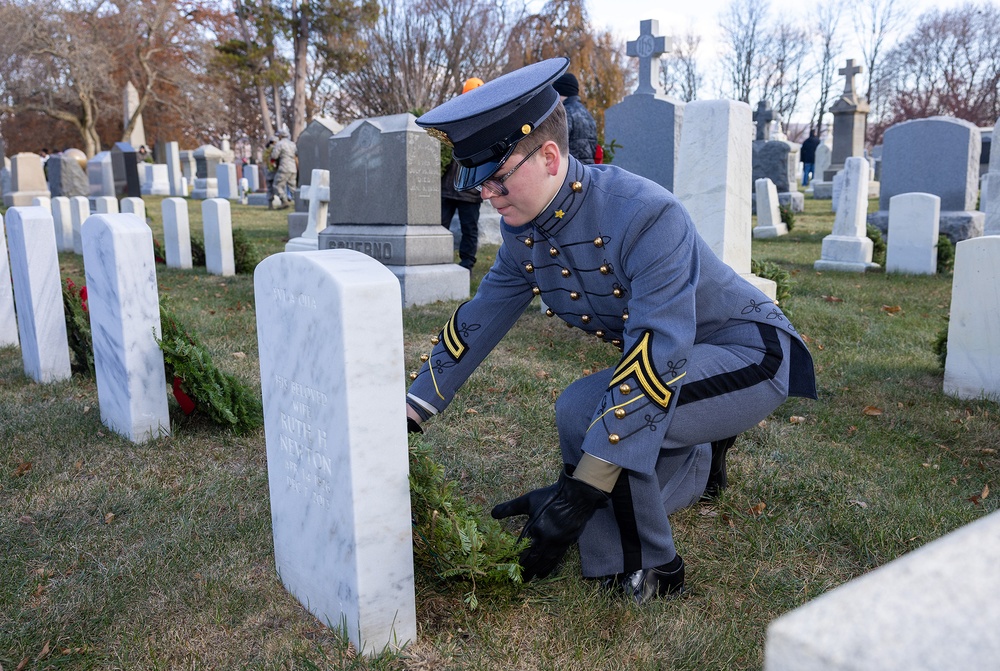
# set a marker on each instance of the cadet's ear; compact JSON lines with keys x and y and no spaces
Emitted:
{"x":552,"y":156}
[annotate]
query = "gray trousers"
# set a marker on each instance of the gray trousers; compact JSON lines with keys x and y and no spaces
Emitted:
{"x":735,"y":378}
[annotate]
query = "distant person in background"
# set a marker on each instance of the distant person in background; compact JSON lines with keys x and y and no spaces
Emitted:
{"x":284,"y":154}
{"x":581,"y":125}
{"x":466,"y":203}
{"x":807,"y":154}
{"x":270,"y":169}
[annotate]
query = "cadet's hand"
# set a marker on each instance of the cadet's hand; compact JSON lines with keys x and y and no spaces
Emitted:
{"x":556,"y":517}
{"x":412,"y":426}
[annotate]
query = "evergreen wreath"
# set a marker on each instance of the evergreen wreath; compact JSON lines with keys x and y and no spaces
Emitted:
{"x":452,"y":541}
{"x":195,"y":377}
{"x":78,"y":335}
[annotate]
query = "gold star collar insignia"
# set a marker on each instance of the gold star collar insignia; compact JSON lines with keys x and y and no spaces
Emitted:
{"x":560,"y":214}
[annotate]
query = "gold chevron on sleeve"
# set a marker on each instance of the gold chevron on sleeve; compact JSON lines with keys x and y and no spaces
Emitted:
{"x":638,"y":364}
{"x":452,"y":340}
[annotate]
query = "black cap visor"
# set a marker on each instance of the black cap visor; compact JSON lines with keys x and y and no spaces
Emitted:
{"x":471,"y":177}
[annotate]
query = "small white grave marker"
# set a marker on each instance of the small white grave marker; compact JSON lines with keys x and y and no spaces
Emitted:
{"x":8,"y":320}
{"x":317,"y":193}
{"x":217,"y":222}
{"x":913,"y":234}
{"x":176,"y":233}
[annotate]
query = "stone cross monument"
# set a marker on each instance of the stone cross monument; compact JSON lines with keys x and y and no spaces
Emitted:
{"x":763,"y":118}
{"x":646,"y":47}
{"x":850,"y":114}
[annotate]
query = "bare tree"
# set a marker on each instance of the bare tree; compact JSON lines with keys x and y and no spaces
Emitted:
{"x":744,"y":37}
{"x":876,"y":23}
{"x":826,"y":19}
{"x":948,"y":65}
{"x":783,"y":73}
{"x":680,"y":73}
{"x":420,"y":52}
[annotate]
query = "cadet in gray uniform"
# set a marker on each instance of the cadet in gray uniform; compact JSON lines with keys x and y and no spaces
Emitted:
{"x":705,"y":355}
{"x":284,"y":153}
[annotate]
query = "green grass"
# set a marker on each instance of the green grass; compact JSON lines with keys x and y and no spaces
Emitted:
{"x":159,"y":556}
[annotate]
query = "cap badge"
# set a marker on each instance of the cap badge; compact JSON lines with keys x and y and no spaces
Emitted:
{"x":525,"y":129}
{"x":439,"y":134}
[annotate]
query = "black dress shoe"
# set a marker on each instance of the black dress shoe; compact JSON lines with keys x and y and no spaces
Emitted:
{"x":717,"y":480}
{"x":666,"y":581}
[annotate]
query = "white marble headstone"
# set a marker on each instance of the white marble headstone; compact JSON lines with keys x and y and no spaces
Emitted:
{"x":714,"y":166}
{"x":837,"y":189}
{"x":252,"y":175}
{"x":317,"y":194}
{"x":106,"y":205}
{"x":174,"y":169}
{"x":41,"y":323}
{"x":8,"y":319}
{"x":42,"y":201}
{"x":990,"y":200}
{"x":62,"y":220}
{"x":225,"y":173}
{"x":136,"y":206}
{"x":217,"y":222}
{"x":124,"y":312}
{"x":848,"y":248}
{"x":913,"y":234}
{"x":176,"y":233}
{"x":155,"y":179}
{"x":769,"y":223}
{"x":972,"y":369}
{"x":335,"y":429}
{"x":79,"y":210}
{"x":932,"y":609}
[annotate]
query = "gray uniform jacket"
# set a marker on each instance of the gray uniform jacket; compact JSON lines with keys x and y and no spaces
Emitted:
{"x":619,"y":257}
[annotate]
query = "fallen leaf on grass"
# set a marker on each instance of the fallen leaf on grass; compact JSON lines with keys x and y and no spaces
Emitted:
{"x":708,"y":512}
{"x":986,"y":491}
{"x":833,"y":299}
{"x":796,"y":419}
{"x":858,"y":503}
{"x":22,"y":468}
{"x":44,"y":652}
{"x":541,"y":375}
{"x":758,"y":508}
{"x":891,"y":309}
{"x":24,"y":663}
{"x":762,"y":423}
{"x":728,"y":520}
{"x":109,"y":518}
{"x":872,"y":411}
{"x":26,"y":519}
{"x":471,"y":411}
{"x":239,"y":355}
{"x":987,"y":450}
{"x":851,"y":430}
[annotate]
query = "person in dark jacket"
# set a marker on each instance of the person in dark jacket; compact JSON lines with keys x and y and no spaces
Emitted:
{"x":807,"y":154}
{"x":580,"y":124}
{"x":466,"y":203}
{"x":704,"y":354}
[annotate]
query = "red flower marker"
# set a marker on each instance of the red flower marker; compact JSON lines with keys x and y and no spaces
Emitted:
{"x":185,"y":401}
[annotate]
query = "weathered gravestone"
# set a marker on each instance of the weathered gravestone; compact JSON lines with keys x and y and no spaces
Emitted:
{"x":206,"y":184}
{"x":34,"y":264}
{"x":8,"y":319}
{"x":62,"y":220}
{"x":972,"y":367}
{"x":848,"y":248}
{"x":714,"y":166}
{"x":392,"y":170}
{"x":66,"y":177}
{"x":101,"y":175}
{"x":776,"y":160}
{"x":932,"y":609}
{"x":251,"y":173}
{"x":124,"y":313}
{"x":317,"y":195}
{"x":125,"y":166}
{"x":155,"y":179}
{"x":217,"y":224}
{"x":79,"y":210}
{"x":5,"y":177}
{"x":189,"y":166}
{"x":850,"y":118}
{"x":313,"y":150}
{"x":913,"y":234}
{"x":174,"y":173}
{"x":27,"y":180}
{"x":225,"y":175}
{"x":106,"y":205}
{"x":134,"y":206}
{"x":646,"y":125}
{"x":938,"y":155}
{"x":337,"y":469}
{"x":990,"y":196}
{"x":130,"y":107}
{"x":176,"y":233}
{"x":769,"y":223}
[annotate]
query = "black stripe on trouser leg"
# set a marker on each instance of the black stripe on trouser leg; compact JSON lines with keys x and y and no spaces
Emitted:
{"x":745,"y":377}
{"x":628,"y":530}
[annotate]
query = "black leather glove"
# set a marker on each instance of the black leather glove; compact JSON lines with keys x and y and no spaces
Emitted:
{"x":412,"y":426}
{"x":556,"y":517}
